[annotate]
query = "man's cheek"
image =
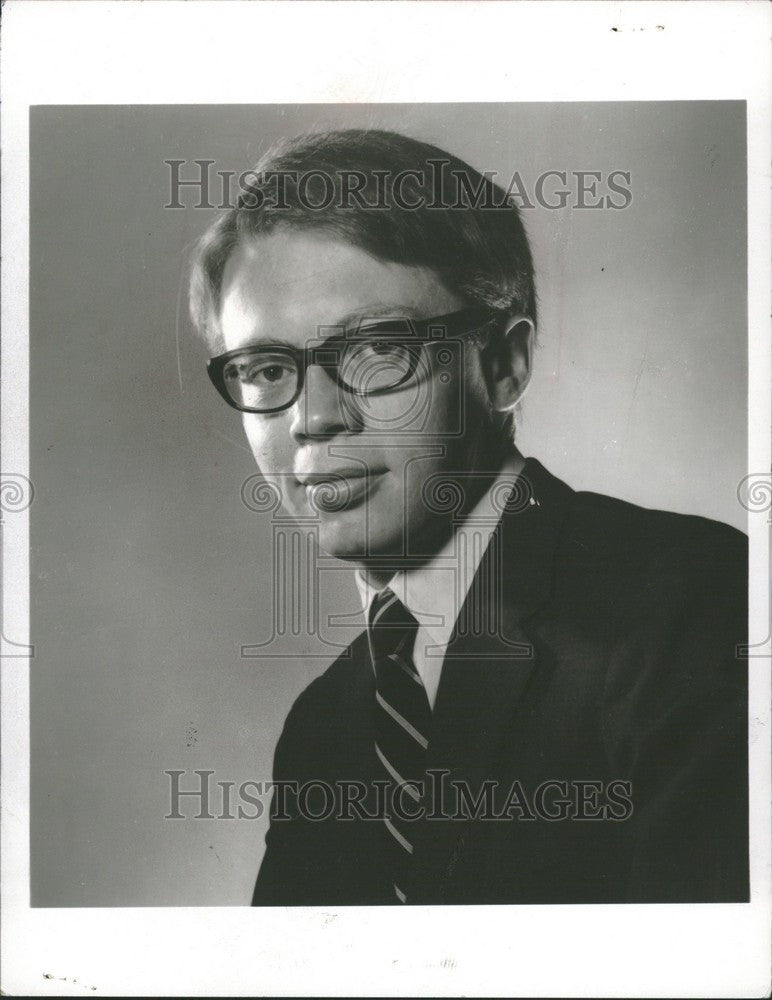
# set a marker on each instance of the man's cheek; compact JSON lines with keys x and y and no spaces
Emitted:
{"x":266,"y":448}
{"x":253,"y":435}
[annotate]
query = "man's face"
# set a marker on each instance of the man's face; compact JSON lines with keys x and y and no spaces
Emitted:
{"x":380,"y":450}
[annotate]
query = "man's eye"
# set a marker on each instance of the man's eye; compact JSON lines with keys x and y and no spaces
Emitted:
{"x":271,"y":373}
{"x":265,"y":373}
{"x":381,"y":349}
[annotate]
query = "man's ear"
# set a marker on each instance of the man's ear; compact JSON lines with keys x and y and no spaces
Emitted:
{"x":507,"y":358}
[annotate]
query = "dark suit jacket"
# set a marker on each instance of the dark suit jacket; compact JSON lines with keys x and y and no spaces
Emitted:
{"x":610,"y":654}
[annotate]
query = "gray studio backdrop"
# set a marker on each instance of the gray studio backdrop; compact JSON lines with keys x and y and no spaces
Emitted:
{"x":149,"y":572}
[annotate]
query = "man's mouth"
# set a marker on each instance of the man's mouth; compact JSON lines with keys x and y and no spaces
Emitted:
{"x":339,"y":489}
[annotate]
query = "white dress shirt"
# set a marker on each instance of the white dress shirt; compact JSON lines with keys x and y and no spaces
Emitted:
{"x":435,"y":592}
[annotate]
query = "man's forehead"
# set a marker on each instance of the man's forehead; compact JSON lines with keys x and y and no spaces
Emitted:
{"x":300,"y":281}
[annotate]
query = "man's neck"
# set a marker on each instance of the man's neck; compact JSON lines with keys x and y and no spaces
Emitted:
{"x":378,"y":578}
{"x":379,"y":575}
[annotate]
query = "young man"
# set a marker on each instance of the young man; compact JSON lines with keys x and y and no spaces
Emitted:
{"x":547,"y":704}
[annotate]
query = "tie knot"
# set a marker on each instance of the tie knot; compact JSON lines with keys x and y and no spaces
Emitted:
{"x":390,"y":625}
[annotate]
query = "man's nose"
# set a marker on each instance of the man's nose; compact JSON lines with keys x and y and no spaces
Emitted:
{"x":320,"y":411}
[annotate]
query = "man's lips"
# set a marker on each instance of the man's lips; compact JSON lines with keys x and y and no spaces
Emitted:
{"x":339,"y":489}
{"x":337,"y":475}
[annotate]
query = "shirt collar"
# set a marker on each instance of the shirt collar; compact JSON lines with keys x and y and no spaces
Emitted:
{"x":435,"y":592}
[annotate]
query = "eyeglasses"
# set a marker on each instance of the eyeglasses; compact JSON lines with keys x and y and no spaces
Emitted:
{"x":379,"y":356}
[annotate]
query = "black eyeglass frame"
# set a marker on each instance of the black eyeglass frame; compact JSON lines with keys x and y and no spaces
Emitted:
{"x":327,"y":353}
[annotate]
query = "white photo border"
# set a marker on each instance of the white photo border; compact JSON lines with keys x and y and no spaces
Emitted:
{"x":275,"y":52}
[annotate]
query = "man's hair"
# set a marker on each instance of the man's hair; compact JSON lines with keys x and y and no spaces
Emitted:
{"x":396,"y":198}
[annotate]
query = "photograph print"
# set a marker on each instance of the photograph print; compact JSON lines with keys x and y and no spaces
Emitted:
{"x":388,"y":537}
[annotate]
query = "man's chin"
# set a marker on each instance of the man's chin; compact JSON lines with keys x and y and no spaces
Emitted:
{"x":351,"y":543}
{"x":356,"y":547}
{"x":346,"y":548}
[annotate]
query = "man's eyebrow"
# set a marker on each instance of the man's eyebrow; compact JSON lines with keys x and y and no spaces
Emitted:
{"x":367,"y":314}
{"x":267,"y":342}
{"x":375,"y":311}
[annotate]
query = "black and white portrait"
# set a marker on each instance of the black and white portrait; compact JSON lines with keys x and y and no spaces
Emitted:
{"x":431,"y":401}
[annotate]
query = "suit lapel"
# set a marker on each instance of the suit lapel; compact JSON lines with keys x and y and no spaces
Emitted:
{"x":490,"y":658}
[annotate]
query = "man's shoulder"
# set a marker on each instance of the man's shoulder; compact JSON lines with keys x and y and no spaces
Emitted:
{"x":345,"y":678}
{"x":326,"y":720}
{"x":602,"y":557}
{"x":614,"y":525}
{"x":591,"y":529}
{"x":607,"y":520}
{"x":662,"y":554}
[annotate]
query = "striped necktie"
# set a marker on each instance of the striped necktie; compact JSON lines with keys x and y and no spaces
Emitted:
{"x":403,"y":716}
